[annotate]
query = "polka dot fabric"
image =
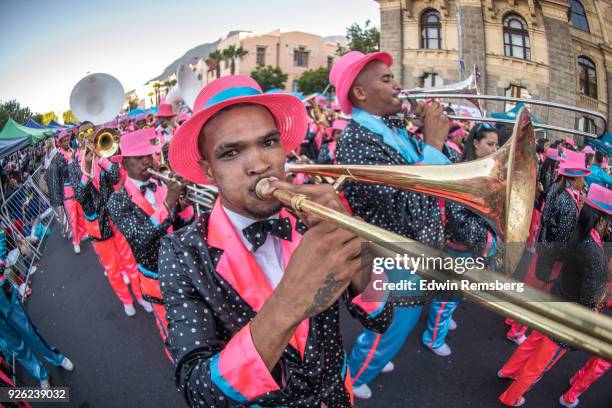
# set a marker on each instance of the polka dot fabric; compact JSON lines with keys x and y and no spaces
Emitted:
{"x":204,"y":312}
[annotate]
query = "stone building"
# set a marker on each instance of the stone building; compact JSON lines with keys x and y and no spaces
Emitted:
{"x":556,"y":50}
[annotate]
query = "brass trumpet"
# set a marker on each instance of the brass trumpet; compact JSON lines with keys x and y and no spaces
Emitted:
{"x":105,"y":144}
{"x":503,"y":190}
{"x":198,"y":194}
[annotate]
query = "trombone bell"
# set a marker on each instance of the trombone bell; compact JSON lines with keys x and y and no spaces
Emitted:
{"x":105,"y":143}
{"x":500,"y":187}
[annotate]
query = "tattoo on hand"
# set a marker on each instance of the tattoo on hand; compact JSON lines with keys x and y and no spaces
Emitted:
{"x":324,"y":295}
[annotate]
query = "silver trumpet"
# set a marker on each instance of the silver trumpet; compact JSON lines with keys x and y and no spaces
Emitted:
{"x":199,"y":194}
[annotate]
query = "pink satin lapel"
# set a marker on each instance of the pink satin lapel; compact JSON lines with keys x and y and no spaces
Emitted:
{"x":160,"y":194}
{"x":240,"y":269}
{"x":138,"y":198}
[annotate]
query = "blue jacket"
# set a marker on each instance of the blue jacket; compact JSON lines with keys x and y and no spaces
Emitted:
{"x":598,"y":176}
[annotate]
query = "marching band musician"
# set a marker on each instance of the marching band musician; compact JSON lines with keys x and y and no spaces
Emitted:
{"x":367,"y":90}
{"x":583,"y":280}
{"x":166,"y":127}
{"x":111,"y":247}
{"x":327,"y":152}
{"x":61,"y":187}
{"x":144,"y":211}
{"x":252,"y":299}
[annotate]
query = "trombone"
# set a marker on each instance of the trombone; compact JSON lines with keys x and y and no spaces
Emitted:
{"x":502,"y":190}
{"x":468,"y":89}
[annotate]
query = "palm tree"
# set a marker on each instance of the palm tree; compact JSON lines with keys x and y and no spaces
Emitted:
{"x":214,"y":60}
{"x":232,"y":53}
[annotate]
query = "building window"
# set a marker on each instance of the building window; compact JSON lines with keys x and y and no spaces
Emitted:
{"x":515,"y":91}
{"x":586,"y":124}
{"x":261,"y":55}
{"x":430,"y":80}
{"x":578,"y":16}
{"x":516,"y":37}
{"x":294,"y":86}
{"x":587,"y":77}
{"x":431,"y":28}
{"x":330,"y":62}
{"x":300,"y":57}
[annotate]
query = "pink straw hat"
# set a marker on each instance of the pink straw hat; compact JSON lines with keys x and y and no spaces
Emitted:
{"x":165,"y":111}
{"x":288,"y":111}
{"x":574,"y":164}
{"x":570,"y":141}
{"x":142,"y":142}
{"x":347,"y":68}
{"x":588,"y":150}
{"x":553,"y":154}
{"x":599,"y":198}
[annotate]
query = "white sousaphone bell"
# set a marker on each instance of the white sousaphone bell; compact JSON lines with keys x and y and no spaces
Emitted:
{"x":186,"y":89}
{"x":97,"y":98}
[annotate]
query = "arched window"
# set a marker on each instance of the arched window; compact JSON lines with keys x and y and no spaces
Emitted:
{"x":587,"y":77}
{"x":516,"y":37}
{"x":578,"y":16}
{"x":431,"y":28}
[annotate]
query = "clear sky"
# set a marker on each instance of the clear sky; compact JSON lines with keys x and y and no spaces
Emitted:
{"x":46,"y":46}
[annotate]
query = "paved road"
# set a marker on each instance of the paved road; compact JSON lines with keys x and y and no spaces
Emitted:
{"x":120,"y":363}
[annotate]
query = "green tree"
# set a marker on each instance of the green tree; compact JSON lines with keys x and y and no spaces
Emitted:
{"x":214,"y":61}
{"x":365,"y":39}
{"x":231,"y":54}
{"x":269,"y":77}
{"x":313,"y":80}
{"x":38,"y":118}
{"x":12,"y":109}
{"x":48,"y":117}
{"x":68,"y":116}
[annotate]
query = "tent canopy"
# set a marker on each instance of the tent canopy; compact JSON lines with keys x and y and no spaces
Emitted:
{"x":133,"y":113}
{"x":9,"y":146}
{"x":54,"y":124}
{"x":31,"y":123}
{"x":511,"y":114}
{"x":13,"y":129}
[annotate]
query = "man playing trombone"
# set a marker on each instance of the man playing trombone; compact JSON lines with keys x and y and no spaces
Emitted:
{"x":251,"y":298}
{"x":367,"y":90}
{"x":144,"y":211}
{"x":93,"y":179}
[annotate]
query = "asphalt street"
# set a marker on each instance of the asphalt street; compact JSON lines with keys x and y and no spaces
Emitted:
{"x":120,"y":360}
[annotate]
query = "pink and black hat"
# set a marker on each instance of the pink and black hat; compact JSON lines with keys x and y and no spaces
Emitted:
{"x":554,"y":154}
{"x":347,"y":68}
{"x":288,"y":112}
{"x":599,"y":198}
{"x":574,"y":164}
{"x":588,"y":150}
{"x":142,"y":142}
{"x":165,"y":111}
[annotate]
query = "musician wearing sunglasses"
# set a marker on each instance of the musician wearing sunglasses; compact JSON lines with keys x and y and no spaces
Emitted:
{"x":144,"y":211}
{"x":252,"y":298}
{"x":93,"y":179}
{"x":60,"y":186}
{"x":367,"y":90}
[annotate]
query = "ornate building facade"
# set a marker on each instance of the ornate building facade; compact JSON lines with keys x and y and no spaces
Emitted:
{"x":556,"y":50}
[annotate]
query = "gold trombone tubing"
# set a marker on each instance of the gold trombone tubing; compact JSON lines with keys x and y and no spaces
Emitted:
{"x":573,"y":324}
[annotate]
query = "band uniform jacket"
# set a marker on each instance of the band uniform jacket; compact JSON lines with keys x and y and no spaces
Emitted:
{"x":58,"y":175}
{"x":213,"y":288}
{"x":143,"y":227}
{"x":93,"y":195}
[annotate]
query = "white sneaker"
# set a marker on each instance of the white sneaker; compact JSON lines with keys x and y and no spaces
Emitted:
{"x":33,"y":270}
{"x":362,"y":392}
{"x":520,"y":340}
{"x":126,"y":279}
{"x":129,"y":309}
{"x":45,"y":384}
{"x":452,"y":325}
{"x":388,"y":367}
{"x":442,"y":351}
{"x":67,"y":364}
{"x":146,"y":306}
{"x":567,"y":404}
{"x":77,"y":248}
